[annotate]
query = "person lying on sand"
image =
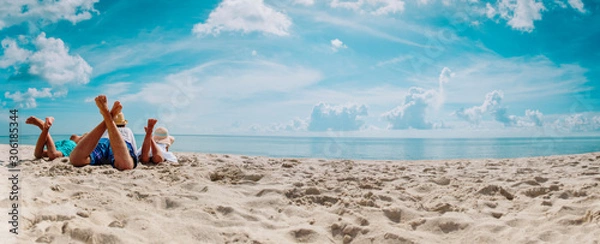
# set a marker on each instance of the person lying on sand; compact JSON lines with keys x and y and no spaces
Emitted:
{"x":155,"y":149}
{"x":126,"y":132}
{"x":93,"y":149}
{"x":56,"y":149}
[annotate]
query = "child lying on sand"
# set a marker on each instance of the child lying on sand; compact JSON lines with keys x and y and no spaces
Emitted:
{"x":56,"y":149}
{"x":155,"y":149}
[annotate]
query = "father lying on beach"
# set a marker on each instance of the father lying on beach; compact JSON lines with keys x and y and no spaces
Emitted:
{"x":114,"y":150}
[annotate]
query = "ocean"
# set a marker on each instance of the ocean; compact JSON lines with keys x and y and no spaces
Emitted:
{"x":372,"y":148}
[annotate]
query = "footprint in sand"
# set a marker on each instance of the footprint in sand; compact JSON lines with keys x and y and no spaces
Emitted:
{"x":117,"y":224}
{"x":491,"y":190}
{"x":397,"y":239}
{"x":304,"y":235}
{"x":536,"y":192}
{"x":89,"y":235}
{"x":45,"y":239}
{"x":393,"y":214}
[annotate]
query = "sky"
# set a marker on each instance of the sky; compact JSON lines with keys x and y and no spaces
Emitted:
{"x":366,"y":68}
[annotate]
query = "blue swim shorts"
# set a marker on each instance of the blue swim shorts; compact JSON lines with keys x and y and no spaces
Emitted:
{"x":65,"y":147}
{"x":103,"y":154}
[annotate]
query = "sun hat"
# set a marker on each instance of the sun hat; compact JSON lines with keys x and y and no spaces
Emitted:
{"x":161,"y":135}
{"x":120,"y":119}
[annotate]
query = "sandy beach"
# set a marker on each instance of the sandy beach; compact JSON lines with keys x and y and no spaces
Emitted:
{"x":208,"y":198}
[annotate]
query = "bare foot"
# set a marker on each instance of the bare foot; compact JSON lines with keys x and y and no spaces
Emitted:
{"x":102,"y":104}
{"x":49,"y":120}
{"x":150,"y":128}
{"x":116,"y":109}
{"x":35,"y":121}
{"x":48,"y":123}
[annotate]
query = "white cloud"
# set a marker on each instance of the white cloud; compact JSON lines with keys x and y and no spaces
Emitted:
{"x":50,"y":61}
{"x":28,"y":99}
{"x":535,"y":116}
{"x":577,"y":4}
{"x":254,"y":53}
{"x":493,"y":105}
{"x":490,"y":11}
{"x":336,"y":45}
{"x":245,"y":16}
{"x":474,"y":114}
{"x":15,"y":12}
{"x":304,"y":2}
{"x":581,"y":122}
{"x":445,"y":76}
{"x":346,"y":117}
{"x":520,"y":14}
{"x":13,"y":54}
{"x":375,"y":7}
{"x":560,"y":3}
{"x":412,"y":112}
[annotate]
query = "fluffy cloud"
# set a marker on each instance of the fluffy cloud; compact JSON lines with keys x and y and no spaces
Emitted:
{"x":28,"y":99}
{"x":15,"y":12}
{"x":474,"y":114}
{"x":535,"y":116}
{"x":577,"y":4}
{"x":51,"y":61}
{"x":13,"y":54}
{"x":347,"y":117}
{"x":520,"y":14}
{"x":304,"y":2}
{"x":245,"y":16}
{"x":492,"y":105}
{"x":336,"y":45}
{"x":490,"y":11}
{"x":578,"y":123}
{"x":375,"y":7}
{"x":412,"y":112}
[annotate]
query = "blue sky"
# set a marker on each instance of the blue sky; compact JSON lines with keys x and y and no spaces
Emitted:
{"x":424,"y":68}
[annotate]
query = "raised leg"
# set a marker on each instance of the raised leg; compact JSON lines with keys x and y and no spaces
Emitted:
{"x":41,"y":142}
{"x":51,"y":152}
{"x":150,"y":145}
{"x":123,"y":160}
{"x":80,"y":156}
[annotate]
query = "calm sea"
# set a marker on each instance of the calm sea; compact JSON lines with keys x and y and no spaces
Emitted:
{"x":373,"y":148}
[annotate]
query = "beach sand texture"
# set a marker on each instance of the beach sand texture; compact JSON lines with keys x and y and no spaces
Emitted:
{"x":208,"y":198}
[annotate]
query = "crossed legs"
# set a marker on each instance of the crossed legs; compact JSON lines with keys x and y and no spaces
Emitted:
{"x":44,"y":139}
{"x":81,"y":154}
{"x":150,"y":144}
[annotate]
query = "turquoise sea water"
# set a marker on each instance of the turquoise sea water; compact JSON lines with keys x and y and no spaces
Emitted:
{"x":373,"y":148}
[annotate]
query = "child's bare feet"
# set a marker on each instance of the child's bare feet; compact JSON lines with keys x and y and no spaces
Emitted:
{"x":49,"y":120}
{"x":150,"y":128}
{"x":48,"y":123}
{"x":35,"y":121}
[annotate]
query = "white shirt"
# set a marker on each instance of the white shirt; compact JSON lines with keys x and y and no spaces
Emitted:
{"x":127,"y":136}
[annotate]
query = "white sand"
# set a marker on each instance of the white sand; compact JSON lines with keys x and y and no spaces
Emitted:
{"x":238,"y":199}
